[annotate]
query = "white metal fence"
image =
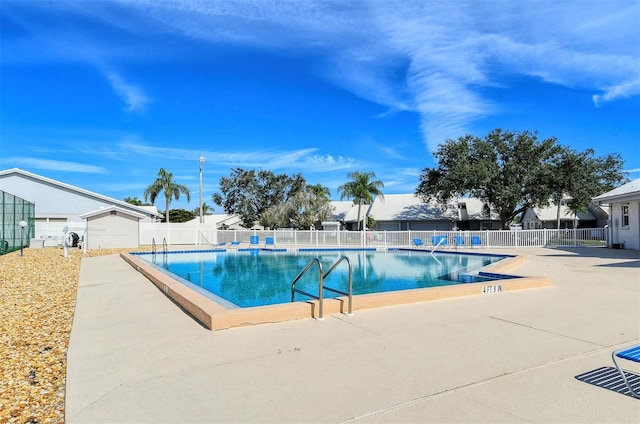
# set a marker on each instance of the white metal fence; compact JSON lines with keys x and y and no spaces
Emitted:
{"x":190,"y":234}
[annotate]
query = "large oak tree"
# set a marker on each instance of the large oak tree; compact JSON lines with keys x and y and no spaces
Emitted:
{"x":249,"y":193}
{"x":513,"y":171}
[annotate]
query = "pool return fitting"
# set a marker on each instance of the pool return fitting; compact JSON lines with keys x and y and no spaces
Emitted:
{"x":321,"y":286}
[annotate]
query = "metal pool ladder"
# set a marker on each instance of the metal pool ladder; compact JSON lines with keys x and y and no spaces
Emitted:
{"x":321,"y":286}
{"x":165,"y":250}
{"x":165,"y":246}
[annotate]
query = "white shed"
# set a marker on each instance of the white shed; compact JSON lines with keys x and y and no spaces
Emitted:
{"x":624,"y":215}
{"x":112,"y":227}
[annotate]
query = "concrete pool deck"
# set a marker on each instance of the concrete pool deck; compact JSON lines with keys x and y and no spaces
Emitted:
{"x":134,"y":356}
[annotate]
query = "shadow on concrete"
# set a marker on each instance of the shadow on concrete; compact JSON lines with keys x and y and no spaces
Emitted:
{"x":609,"y":378}
{"x":630,"y":258}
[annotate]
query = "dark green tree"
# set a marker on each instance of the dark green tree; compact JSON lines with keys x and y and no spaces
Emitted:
{"x":182,"y":215}
{"x":504,"y":169}
{"x":249,"y":193}
{"x":135,"y":201}
{"x":362,"y":189}
{"x":165,"y":183}
{"x":580,"y":176}
{"x":511,"y":171}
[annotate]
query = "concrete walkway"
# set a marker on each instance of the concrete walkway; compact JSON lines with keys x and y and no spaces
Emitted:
{"x":135,"y":357}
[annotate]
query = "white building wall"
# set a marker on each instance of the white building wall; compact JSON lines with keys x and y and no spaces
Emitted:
{"x":106,"y":231}
{"x":629,"y":235}
{"x":51,"y":201}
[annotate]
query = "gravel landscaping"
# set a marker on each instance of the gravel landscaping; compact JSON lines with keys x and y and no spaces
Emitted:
{"x":37,"y":301}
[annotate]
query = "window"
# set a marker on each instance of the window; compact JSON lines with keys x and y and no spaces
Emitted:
{"x":625,"y":215}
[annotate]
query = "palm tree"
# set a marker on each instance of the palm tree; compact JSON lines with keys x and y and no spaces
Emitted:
{"x":165,"y":183}
{"x":206,"y":209}
{"x":361,"y":188}
{"x":320,"y":190}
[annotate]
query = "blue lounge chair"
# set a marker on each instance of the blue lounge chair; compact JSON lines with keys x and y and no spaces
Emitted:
{"x":631,"y":354}
{"x":268,"y":241}
{"x":459,"y":241}
{"x":417,"y":242}
{"x":439,"y":240}
{"x":475,"y":241}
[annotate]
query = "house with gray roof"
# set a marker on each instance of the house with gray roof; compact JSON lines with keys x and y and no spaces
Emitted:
{"x":402,"y":212}
{"x":346,"y":212}
{"x":624,"y":214}
{"x":547,"y":217}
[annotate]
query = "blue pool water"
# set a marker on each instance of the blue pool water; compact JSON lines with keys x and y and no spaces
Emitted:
{"x":255,"y":277}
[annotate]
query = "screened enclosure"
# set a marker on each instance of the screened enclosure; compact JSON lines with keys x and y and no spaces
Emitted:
{"x":15,"y":210}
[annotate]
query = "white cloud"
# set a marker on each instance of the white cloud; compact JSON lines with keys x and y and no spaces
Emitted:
{"x":56,"y":165}
{"x":296,"y":160}
{"x":133,"y":97}
{"x":620,"y":91}
{"x":431,"y":57}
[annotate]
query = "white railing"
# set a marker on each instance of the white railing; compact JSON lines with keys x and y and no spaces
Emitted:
{"x":199,"y":234}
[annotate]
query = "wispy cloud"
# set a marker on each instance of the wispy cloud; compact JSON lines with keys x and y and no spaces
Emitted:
{"x":54,"y":165}
{"x":620,"y":91}
{"x":387,"y":150}
{"x":296,"y":160}
{"x":133,"y":97}
{"x":431,"y":57}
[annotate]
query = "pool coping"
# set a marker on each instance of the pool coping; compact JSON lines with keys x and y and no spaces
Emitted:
{"x":215,"y":316}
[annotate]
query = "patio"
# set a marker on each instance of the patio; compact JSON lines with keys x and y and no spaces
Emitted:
{"x":506,"y":357}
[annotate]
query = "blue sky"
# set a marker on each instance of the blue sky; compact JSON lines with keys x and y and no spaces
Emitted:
{"x":102,"y":94}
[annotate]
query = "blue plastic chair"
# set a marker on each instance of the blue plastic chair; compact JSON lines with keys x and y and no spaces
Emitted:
{"x":439,"y":240}
{"x":476,"y":241}
{"x":630,"y":354}
{"x":459,"y":241}
{"x":268,"y":241}
{"x":417,"y":242}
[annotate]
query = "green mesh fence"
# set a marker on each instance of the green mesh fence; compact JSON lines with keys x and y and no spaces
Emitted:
{"x":15,"y":210}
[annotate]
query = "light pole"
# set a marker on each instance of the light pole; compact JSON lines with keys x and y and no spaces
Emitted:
{"x":23,"y":225}
{"x":202,"y":159}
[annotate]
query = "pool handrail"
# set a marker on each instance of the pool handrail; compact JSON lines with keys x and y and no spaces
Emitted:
{"x":349,"y":294}
{"x":442,"y":240}
{"x":321,"y":286}
{"x":320,"y":299}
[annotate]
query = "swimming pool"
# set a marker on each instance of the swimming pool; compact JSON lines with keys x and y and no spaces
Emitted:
{"x":255,"y":277}
{"x":215,"y":312}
